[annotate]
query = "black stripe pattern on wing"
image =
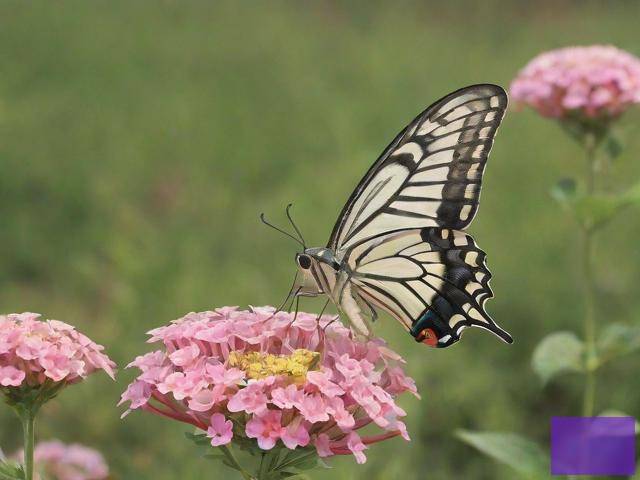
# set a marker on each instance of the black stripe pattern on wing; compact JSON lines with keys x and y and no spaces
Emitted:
{"x":430,"y":175}
{"x":446,"y":275}
{"x":462,"y":142}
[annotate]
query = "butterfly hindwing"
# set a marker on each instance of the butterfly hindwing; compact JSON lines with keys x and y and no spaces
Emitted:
{"x":433,"y":269}
{"x":430,"y":175}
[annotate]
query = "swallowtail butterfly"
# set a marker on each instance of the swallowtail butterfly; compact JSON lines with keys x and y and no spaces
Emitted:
{"x":399,"y":244}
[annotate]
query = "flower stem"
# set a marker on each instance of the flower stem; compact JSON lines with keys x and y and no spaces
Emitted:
{"x":232,"y":460}
{"x":589,"y":287}
{"x":28,"y":418}
{"x":261,"y":470}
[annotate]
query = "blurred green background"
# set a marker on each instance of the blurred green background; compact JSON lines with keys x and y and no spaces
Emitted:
{"x":139,"y":141}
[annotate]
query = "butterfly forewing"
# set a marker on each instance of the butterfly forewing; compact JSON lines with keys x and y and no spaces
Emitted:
{"x":430,"y":175}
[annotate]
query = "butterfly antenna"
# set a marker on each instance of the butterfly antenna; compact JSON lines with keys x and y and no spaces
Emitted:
{"x":263,"y":220}
{"x":295,"y":227}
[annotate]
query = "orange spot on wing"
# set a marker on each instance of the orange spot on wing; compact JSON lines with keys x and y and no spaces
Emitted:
{"x":429,"y":337}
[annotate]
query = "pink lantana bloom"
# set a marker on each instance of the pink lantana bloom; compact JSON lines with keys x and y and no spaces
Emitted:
{"x":45,"y":355}
{"x":10,"y":376}
{"x":272,"y":380}
{"x":266,"y":428}
{"x":59,"y":461}
{"x":220,"y":430}
{"x":591,"y":83}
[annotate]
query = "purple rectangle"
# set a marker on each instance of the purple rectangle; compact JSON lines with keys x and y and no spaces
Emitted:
{"x":593,"y":446}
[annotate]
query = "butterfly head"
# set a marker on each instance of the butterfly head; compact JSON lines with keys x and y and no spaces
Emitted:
{"x":307,"y":268}
{"x":303,"y":261}
{"x":315,"y":266}
{"x":433,"y":332}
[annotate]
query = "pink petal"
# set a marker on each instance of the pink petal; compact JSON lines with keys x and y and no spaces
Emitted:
{"x":354,"y":443}
{"x":11,"y":376}
{"x":294,"y":435}
{"x":220,"y":431}
{"x":321,"y":443}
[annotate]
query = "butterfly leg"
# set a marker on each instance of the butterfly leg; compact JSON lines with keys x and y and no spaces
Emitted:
{"x":295,"y":315}
{"x":294,"y":299}
{"x":324,"y":307}
{"x":292,"y":292}
{"x":324,"y":329}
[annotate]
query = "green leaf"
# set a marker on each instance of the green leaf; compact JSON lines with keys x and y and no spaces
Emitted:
{"x":304,"y":460}
{"x":523,"y":455}
{"x":596,"y":210}
{"x":564,"y":191}
{"x":632,"y":196}
{"x":214,"y":456}
{"x":618,"y":339}
{"x":613,"y":146}
{"x":307,"y":464}
{"x":592,"y":210}
{"x":229,"y":464}
{"x":11,"y":471}
{"x":273,"y":458}
{"x":293,"y":473}
{"x":199,"y":439}
{"x":558,"y":353}
{"x":247,"y":444}
{"x":287,"y":474}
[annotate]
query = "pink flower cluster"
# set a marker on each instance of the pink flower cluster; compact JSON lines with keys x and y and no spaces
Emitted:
{"x":33,"y":351}
{"x":273,"y":378}
{"x":58,"y":461}
{"x":590,"y":82}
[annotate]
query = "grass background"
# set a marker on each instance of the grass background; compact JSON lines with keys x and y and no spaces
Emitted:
{"x":140,"y":140}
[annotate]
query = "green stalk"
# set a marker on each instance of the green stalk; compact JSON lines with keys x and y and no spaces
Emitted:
{"x":232,"y":459}
{"x":263,"y":467}
{"x":28,"y":418}
{"x":589,"y":287}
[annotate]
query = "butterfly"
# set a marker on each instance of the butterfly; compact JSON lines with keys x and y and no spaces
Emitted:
{"x":399,"y":244}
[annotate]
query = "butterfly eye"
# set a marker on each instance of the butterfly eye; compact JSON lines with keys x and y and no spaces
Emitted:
{"x":428,"y":337}
{"x":304,"y":261}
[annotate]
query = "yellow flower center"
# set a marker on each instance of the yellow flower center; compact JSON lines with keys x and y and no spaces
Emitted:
{"x":261,"y":365}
